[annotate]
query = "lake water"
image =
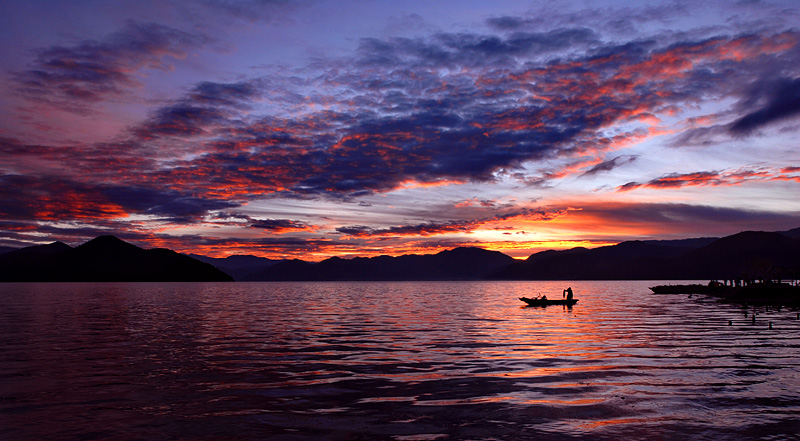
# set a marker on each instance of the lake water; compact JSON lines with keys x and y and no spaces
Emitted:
{"x":391,"y":361}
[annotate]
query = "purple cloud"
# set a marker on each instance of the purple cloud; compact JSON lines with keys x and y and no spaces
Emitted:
{"x":279,"y":226}
{"x":76,"y":76}
{"x":611,"y":164}
{"x":453,"y":226}
{"x":400,"y":123}
{"x":781,"y":100}
{"x":449,"y":107}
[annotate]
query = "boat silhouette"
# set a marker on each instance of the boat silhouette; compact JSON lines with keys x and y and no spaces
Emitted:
{"x":546,"y":301}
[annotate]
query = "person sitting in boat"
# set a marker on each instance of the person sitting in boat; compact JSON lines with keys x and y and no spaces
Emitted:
{"x":544,"y":298}
{"x":568,"y":293}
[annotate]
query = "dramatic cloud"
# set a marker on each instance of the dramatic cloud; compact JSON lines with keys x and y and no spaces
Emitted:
{"x":782,"y":101}
{"x":479,"y":120}
{"x":455,"y":226}
{"x":611,"y":164}
{"x":475,"y":201}
{"x":437,"y":129}
{"x":671,"y":218}
{"x":281,"y":226}
{"x":207,"y":105}
{"x":169,"y":205}
{"x":675,"y":180}
{"x":466,"y":49}
{"x":76,"y":76}
{"x":52,"y":198}
{"x":727,"y":177}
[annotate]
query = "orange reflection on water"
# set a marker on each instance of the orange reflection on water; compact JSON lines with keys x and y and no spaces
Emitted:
{"x":574,"y":402}
{"x":544,"y":372}
{"x":458,"y":402}
{"x":614,"y":421}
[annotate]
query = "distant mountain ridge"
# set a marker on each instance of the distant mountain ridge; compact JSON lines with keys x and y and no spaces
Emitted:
{"x":793,"y":233}
{"x":456,"y":264}
{"x":103,"y":259}
{"x":238,"y":266}
{"x":106,"y":258}
{"x":747,"y":254}
{"x":4,"y":250}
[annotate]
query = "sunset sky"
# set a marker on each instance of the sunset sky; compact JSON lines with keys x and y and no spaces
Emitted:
{"x":307,"y":129}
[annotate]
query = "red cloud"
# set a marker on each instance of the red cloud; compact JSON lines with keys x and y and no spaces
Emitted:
{"x":697,"y":179}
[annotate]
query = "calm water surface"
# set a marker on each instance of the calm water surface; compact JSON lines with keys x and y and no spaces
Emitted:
{"x":390,"y":361}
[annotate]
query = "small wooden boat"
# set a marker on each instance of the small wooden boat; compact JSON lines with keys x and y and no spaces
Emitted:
{"x":546,"y":302}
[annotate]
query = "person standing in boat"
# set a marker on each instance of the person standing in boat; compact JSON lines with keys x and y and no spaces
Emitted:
{"x":568,"y":293}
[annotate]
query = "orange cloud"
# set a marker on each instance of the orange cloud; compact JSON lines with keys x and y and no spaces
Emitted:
{"x":697,"y":179}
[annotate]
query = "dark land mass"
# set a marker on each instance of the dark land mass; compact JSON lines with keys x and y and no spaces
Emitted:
{"x":747,"y":291}
{"x":239,"y":266}
{"x":104,"y":259}
{"x":457,"y":264}
{"x":748,"y":254}
{"x":794,"y":233}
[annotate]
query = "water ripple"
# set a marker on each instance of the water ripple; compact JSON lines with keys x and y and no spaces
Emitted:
{"x":401,"y":361}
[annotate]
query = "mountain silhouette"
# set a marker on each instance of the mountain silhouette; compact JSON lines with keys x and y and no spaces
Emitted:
{"x":289,"y":270}
{"x":238,"y":266}
{"x":749,"y":254}
{"x":463,"y":263}
{"x":624,"y":261}
{"x":104,"y":259}
{"x":743,"y":255}
{"x":793,"y":233}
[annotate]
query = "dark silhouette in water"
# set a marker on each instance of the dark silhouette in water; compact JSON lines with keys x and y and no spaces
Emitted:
{"x":765,"y":292}
{"x":544,"y":301}
{"x":566,"y":300}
